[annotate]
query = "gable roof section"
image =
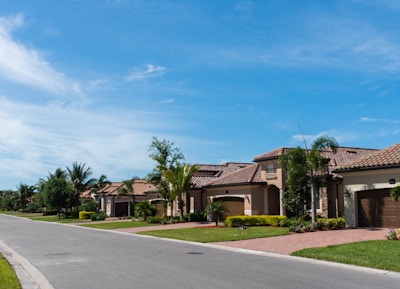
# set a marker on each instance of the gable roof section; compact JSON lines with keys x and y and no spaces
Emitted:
{"x":386,"y":158}
{"x":244,"y":176}
{"x":207,"y":173}
{"x":343,"y":154}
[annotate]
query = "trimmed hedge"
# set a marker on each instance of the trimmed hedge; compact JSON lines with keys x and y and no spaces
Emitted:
{"x":83,"y":215}
{"x":260,"y":220}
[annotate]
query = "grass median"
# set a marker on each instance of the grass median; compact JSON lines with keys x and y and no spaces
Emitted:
{"x":217,"y":234}
{"x":378,"y":254}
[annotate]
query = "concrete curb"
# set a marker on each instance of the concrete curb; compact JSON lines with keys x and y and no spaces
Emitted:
{"x":28,"y":275}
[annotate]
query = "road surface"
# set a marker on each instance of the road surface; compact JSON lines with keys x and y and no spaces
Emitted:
{"x":76,"y":257}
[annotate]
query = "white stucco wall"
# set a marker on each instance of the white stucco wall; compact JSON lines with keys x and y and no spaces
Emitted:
{"x":362,"y":181}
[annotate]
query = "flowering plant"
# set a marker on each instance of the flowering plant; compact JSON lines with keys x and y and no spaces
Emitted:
{"x":393,"y":234}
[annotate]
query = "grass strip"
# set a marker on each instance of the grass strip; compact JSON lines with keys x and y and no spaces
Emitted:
{"x":378,"y":254}
{"x":8,"y":277}
{"x":206,"y":235}
{"x":117,"y":225}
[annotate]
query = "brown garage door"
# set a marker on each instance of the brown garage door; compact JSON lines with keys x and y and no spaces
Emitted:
{"x":377,"y":209}
{"x":235,"y":206}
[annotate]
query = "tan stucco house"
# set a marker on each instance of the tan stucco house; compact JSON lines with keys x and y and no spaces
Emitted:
{"x":367,"y":182}
{"x":256,"y":188}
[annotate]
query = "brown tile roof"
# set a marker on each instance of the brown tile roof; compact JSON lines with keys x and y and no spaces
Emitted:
{"x":249,"y":175}
{"x":269,"y":155}
{"x":140,"y":187}
{"x":208,"y":173}
{"x":343,"y":154}
{"x":389,"y":157}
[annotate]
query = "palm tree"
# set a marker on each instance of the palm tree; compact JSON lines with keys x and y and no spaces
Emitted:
{"x":127,"y":190}
{"x":79,"y":176}
{"x":179,"y":180}
{"x":216,"y":209}
{"x":316,"y":163}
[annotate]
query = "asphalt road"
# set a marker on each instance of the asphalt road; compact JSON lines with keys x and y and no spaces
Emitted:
{"x":76,"y":257}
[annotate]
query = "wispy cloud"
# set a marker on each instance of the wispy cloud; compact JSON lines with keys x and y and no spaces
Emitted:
{"x":45,"y":138}
{"x":142,"y":74}
{"x":369,"y":119}
{"x":245,"y":6}
{"x":168,"y":100}
{"x":27,"y":66}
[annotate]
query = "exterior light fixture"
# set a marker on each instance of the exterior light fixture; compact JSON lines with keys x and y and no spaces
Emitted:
{"x":392,"y":181}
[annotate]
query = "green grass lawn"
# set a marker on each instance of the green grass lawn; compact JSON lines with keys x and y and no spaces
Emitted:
{"x":380,"y":254}
{"x":205,"y":235}
{"x":117,"y":225}
{"x":8,"y":278}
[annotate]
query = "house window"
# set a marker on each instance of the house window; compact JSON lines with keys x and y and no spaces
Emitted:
{"x":271,"y":169}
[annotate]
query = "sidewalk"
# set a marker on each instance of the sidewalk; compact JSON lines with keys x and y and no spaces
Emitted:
{"x":289,"y":243}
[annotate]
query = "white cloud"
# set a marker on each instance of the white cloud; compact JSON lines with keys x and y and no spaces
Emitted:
{"x":168,"y":100}
{"x":150,"y":71}
{"x":27,"y":66}
{"x":35,"y":140}
{"x":369,"y":119}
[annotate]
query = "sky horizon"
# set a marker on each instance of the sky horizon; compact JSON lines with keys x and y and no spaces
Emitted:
{"x":93,"y":81}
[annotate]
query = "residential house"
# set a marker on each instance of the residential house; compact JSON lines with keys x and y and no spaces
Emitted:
{"x":367,"y":183}
{"x":257,"y":188}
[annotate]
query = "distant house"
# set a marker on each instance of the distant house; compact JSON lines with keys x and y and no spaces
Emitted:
{"x":117,"y":206}
{"x":367,"y":182}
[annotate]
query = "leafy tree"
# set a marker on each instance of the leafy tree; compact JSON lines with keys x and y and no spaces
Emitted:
{"x":302,"y":166}
{"x":216,"y":209}
{"x":144,"y":209}
{"x":179,"y":181}
{"x":166,"y":156}
{"x":294,"y":164}
{"x":394,"y":193}
{"x":317,"y":163}
{"x":128,"y":190}
{"x":79,"y":176}
{"x":57,"y":193}
{"x":25,"y":192}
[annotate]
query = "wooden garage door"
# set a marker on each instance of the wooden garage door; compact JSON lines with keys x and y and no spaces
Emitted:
{"x":377,"y":209}
{"x":235,"y":206}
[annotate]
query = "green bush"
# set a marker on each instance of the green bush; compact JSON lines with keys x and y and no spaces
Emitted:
{"x":154,"y":220}
{"x":260,"y":220}
{"x":98,"y":216}
{"x":301,"y":225}
{"x":83,"y":215}
{"x":195,"y":217}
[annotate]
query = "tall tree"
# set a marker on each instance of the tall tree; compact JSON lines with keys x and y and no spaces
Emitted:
{"x":57,"y":192}
{"x":128,"y":190}
{"x":317,"y":163}
{"x":79,"y":176}
{"x":294,"y":165}
{"x":25,"y":192}
{"x":304,"y":166}
{"x":166,"y":156}
{"x":179,"y":181}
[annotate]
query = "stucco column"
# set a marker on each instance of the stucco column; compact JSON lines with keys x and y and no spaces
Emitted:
{"x":281,"y":209}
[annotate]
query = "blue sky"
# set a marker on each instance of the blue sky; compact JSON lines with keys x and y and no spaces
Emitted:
{"x":93,"y":81}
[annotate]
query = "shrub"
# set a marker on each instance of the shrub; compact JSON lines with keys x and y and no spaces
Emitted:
{"x":154,"y":220}
{"x":332,"y":223}
{"x":260,"y":220}
{"x":98,"y":216}
{"x":83,"y":215}
{"x":195,"y":217}
{"x":393,"y":234}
